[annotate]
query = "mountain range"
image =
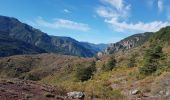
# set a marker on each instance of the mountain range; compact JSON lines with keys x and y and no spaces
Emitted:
{"x":40,"y":42}
{"x":21,"y":38}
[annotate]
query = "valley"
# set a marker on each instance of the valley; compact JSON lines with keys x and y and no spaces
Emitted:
{"x":36,"y":66}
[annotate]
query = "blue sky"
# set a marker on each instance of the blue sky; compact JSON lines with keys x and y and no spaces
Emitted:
{"x":95,"y":21}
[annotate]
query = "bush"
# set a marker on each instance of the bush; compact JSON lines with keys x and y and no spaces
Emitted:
{"x":151,"y":60}
{"x":132,"y":61}
{"x":32,"y":77}
{"x":85,"y":72}
{"x":110,"y":64}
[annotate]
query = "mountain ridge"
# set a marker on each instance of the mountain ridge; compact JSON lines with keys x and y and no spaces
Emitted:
{"x":55,"y":44}
{"x":128,"y":42}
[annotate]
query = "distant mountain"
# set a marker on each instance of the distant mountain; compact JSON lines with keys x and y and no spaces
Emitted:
{"x":101,"y":46}
{"x":23,"y":32}
{"x":95,"y":47}
{"x":129,"y":42}
{"x":10,"y":46}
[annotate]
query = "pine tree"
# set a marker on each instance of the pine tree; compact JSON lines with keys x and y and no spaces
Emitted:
{"x":151,"y":60}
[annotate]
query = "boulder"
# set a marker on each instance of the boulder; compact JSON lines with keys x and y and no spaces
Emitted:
{"x":75,"y":95}
{"x":134,"y":92}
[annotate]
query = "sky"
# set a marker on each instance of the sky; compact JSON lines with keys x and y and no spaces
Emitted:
{"x":95,"y":21}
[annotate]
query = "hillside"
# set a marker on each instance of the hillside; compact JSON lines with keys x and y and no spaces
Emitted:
{"x":128,"y":43}
{"x":161,"y":37}
{"x":36,"y":67}
{"x":15,"y":89}
{"x":10,"y":46}
{"x":55,"y":44}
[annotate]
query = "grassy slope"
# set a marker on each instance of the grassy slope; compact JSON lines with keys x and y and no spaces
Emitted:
{"x":117,"y":83}
{"x":59,"y":70}
{"x":122,"y":80}
{"x":40,"y":65}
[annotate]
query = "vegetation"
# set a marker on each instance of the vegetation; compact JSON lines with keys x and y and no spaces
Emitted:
{"x":151,"y":60}
{"x":132,"y":61}
{"x":162,"y":36}
{"x":85,"y":72}
{"x":31,"y":77}
{"x":110,"y":64}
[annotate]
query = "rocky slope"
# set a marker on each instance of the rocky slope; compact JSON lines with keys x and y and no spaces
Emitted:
{"x":128,"y":43}
{"x":15,"y":89}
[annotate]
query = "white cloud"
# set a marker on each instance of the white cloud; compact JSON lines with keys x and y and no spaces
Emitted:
{"x":62,"y":23}
{"x":116,"y":13}
{"x":107,"y":13}
{"x":115,"y":8}
{"x":160,"y":5}
{"x":67,"y":11}
{"x":140,"y":26}
{"x":118,"y":4}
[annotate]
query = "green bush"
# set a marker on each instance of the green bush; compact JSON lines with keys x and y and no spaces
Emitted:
{"x":110,"y":64}
{"x":151,"y":60}
{"x":32,"y":77}
{"x":132,"y":61}
{"x":86,"y":71}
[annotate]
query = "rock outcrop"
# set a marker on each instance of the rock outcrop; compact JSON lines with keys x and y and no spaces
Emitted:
{"x":128,"y":43}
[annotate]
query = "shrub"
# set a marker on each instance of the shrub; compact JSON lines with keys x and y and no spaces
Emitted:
{"x":49,"y":95}
{"x":85,"y":72}
{"x":132,"y":61}
{"x":32,"y":77}
{"x":151,"y":60}
{"x":110,"y":64}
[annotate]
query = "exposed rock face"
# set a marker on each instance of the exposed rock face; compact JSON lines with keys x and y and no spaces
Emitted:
{"x":128,"y":43}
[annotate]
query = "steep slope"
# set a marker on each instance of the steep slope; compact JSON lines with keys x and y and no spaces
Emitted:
{"x":10,"y":46}
{"x":69,"y":46}
{"x":15,"y":29}
{"x":162,"y":36}
{"x":129,"y":42}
